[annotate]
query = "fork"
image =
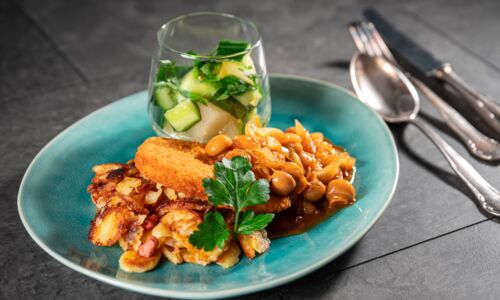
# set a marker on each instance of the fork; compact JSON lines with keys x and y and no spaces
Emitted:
{"x":368,"y":40}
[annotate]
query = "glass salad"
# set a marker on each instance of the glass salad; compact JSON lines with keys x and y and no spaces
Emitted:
{"x":208,"y":77}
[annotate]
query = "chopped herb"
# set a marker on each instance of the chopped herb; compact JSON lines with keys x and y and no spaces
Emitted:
{"x":234,"y":185}
{"x":230,"y":86}
{"x":208,"y":70}
{"x":168,"y":71}
{"x":255,"y":79}
{"x":230,"y":47}
{"x":194,"y":96}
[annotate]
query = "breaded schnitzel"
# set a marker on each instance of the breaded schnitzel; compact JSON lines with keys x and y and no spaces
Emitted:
{"x":175,"y":164}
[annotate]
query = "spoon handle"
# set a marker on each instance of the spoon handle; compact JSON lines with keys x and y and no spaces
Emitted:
{"x":487,"y":196}
{"x":478,"y":144}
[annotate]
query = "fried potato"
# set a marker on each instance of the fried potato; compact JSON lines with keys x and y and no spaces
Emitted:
{"x":106,"y":168}
{"x":108,"y":226}
{"x":161,"y":232}
{"x":190,"y":205}
{"x":127,"y":185}
{"x":132,"y":239}
{"x":173,"y":255}
{"x":230,"y":257}
{"x":175,"y":164}
{"x":131,"y":261}
{"x":256,"y":242}
{"x":181,"y":222}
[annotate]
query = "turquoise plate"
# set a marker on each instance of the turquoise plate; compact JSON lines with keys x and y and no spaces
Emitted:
{"x":56,"y":210}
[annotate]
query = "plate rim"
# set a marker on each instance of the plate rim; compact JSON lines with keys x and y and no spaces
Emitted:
{"x":208,"y":294}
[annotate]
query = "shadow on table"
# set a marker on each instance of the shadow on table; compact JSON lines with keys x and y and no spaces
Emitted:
{"x":447,"y":177}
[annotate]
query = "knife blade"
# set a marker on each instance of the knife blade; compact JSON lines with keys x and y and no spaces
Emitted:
{"x":413,"y":53}
{"x":430,"y":66}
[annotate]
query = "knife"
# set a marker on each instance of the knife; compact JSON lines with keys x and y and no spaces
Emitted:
{"x":426,"y":63}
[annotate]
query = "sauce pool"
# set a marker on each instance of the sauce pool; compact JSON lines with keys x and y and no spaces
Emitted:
{"x":290,"y":222}
{"x":295,"y":221}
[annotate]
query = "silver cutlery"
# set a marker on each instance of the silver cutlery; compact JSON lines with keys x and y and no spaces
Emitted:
{"x":366,"y":37}
{"x":421,"y":59}
{"x":384,"y":88}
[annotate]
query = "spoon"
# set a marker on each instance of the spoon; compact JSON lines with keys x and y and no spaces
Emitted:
{"x":368,"y":40}
{"x":383,"y":87}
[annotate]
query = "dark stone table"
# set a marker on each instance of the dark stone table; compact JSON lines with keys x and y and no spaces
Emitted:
{"x":60,"y":60}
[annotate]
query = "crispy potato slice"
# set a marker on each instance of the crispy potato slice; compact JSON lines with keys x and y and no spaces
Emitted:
{"x":127,"y":185}
{"x":132,"y":262}
{"x":108,"y":226}
{"x":161,"y":232}
{"x":174,"y":255}
{"x":256,"y":242}
{"x":106,"y":168}
{"x":231,"y":256}
{"x":131,"y":240}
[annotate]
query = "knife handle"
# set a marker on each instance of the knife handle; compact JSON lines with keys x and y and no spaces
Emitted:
{"x":487,"y":109}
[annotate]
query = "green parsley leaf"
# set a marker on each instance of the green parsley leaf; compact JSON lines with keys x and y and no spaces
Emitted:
{"x":234,"y":174}
{"x":168,"y":71}
{"x":250,"y":222}
{"x":230,"y":86}
{"x":208,"y":70}
{"x":217,"y":192}
{"x":211,"y":233}
{"x":234,"y":185}
{"x":254,"y":193}
{"x":231,"y":47}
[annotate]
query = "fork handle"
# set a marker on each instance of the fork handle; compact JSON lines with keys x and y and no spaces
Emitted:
{"x":487,"y":109}
{"x":487,"y":196}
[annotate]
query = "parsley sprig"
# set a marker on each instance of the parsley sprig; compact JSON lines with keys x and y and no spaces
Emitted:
{"x":234,"y":185}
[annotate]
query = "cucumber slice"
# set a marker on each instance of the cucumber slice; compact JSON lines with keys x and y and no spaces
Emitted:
{"x":251,"y":98}
{"x":232,"y":106}
{"x":164,"y":97}
{"x":183,"y":116}
{"x":191,"y":83}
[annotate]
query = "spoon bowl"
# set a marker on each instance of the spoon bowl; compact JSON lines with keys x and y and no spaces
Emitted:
{"x":383,"y":87}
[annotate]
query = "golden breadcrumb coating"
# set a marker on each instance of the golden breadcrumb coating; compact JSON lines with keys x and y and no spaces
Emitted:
{"x":175,"y":164}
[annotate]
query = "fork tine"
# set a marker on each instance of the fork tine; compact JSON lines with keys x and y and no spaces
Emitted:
{"x":368,"y":39}
{"x":360,"y":45}
{"x":379,"y":41}
{"x":361,"y":39}
{"x":358,"y":40}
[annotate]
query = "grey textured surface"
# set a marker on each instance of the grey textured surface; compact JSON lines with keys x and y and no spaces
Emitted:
{"x":61,"y":60}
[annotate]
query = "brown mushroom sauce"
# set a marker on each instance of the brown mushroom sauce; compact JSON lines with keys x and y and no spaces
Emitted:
{"x":311,"y":175}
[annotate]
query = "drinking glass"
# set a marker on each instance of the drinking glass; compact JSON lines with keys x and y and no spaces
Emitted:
{"x":208,"y":77}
